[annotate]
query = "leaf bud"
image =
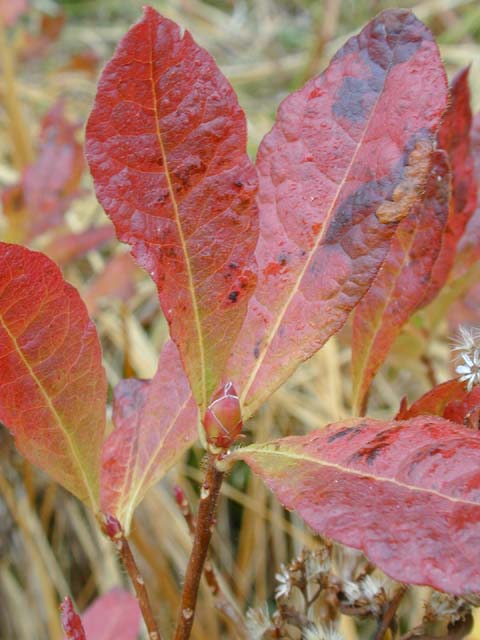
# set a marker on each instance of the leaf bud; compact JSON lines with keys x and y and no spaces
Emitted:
{"x":223,"y":418}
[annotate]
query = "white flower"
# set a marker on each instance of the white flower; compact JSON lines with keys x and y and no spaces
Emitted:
{"x":469,"y":371}
{"x":318,"y":562}
{"x":284,"y":582}
{"x":468,"y":339}
{"x":314,"y":632}
{"x":258,"y":621}
{"x":468,"y":346}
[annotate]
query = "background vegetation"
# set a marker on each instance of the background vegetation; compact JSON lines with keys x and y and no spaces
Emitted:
{"x":49,"y":545}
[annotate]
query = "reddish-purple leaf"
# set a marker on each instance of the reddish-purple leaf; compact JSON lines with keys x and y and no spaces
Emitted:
{"x":406,"y":493}
{"x":113,"y":616}
{"x":454,"y":138}
{"x":155,"y":423}
{"x":166,"y":143}
{"x":71,"y":622}
{"x":400,"y":285}
{"x":344,"y":162}
{"x":52,"y":383}
{"x":49,"y":185}
{"x":469,"y":245}
{"x":65,"y":248}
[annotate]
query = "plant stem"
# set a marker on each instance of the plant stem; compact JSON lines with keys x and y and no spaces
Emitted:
{"x":224,"y":605}
{"x":389,"y":613}
{"x":203,"y":532}
{"x":113,"y":529}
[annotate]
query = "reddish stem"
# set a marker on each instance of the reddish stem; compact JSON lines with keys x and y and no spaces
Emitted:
{"x":203,"y":532}
{"x":113,"y":529}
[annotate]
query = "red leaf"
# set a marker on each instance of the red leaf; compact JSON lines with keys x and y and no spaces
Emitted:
{"x":113,"y":616}
{"x":71,"y":623}
{"x":348,"y":154}
{"x":454,"y":137}
{"x":65,"y":248}
{"x":469,"y":245}
{"x":166,"y":143}
{"x":400,"y":285}
{"x":406,"y":493}
{"x":451,"y":400}
{"x":49,"y":185}
{"x":50,"y":365}
{"x":435,"y":401}
{"x":155,"y":423}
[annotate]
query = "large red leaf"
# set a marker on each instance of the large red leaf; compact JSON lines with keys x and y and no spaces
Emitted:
{"x":343,"y":163}
{"x":113,"y":616}
{"x":405,"y":493}
{"x":51,"y":182}
{"x":454,"y":137}
{"x":166,"y":143}
{"x":400,"y":285}
{"x":52,"y":383}
{"x":155,"y":423}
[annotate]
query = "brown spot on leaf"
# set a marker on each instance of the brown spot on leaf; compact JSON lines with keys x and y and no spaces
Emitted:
{"x":409,"y":189}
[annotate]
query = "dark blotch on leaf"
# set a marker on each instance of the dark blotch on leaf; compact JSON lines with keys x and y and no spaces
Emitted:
{"x":343,"y":433}
{"x":233,"y":296}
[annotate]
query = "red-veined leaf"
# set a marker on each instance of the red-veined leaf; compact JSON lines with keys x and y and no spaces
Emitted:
{"x":166,"y":143}
{"x":344,"y":161}
{"x":406,"y":493}
{"x":400,"y":285}
{"x":71,"y":622}
{"x":156,"y":422}
{"x":49,"y":185}
{"x":52,"y":383}
{"x":113,"y":616}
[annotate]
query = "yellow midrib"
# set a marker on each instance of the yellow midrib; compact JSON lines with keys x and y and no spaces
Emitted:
{"x":54,"y":412}
{"x":191,"y":286}
{"x":295,"y":288}
{"x":355,"y":472}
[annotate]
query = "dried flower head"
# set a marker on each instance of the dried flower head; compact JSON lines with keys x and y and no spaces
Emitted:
{"x":258,"y":621}
{"x":447,"y":607}
{"x":284,"y":580}
{"x":467,"y":346}
{"x":321,"y":632}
